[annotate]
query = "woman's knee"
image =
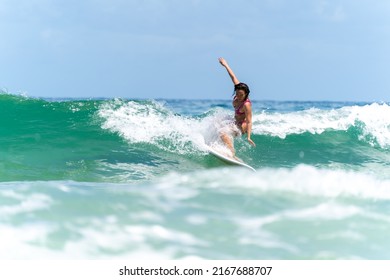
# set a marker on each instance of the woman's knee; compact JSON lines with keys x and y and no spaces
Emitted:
{"x":244,"y":128}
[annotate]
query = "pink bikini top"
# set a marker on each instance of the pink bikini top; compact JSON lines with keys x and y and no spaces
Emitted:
{"x":237,"y":110}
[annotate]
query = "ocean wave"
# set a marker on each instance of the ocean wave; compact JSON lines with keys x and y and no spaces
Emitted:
{"x":304,"y":180}
{"x":371,"y":121}
{"x":153,"y":123}
{"x":224,"y":213}
{"x":130,"y":140}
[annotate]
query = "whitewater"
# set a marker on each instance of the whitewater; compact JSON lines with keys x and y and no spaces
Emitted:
{"x":125,"y":178}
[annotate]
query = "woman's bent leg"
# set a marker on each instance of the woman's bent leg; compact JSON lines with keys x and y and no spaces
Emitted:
{"x":227,"y":140}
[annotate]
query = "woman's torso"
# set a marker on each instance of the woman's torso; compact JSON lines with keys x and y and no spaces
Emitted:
{"x":239,"y":113}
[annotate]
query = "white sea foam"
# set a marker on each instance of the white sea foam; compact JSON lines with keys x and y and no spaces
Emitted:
{"x":373,"y":121}
{"x":219,"y":213}
{"x":98,"y":238}
{"x":26,"y":204}
{"x":148,"y":123}
{"x":259,"y":230}
{"x":303,"y":179}
{"x":30,"y":242}
{"x":154,"y":124}
{"x":323,"y":211}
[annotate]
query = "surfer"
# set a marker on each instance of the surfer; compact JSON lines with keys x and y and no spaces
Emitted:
{"x":242,"y":107}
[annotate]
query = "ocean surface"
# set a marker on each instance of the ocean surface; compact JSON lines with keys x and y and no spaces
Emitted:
{"x":120,"y":178}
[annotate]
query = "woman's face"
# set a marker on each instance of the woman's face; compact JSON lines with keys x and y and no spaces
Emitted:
{"x":240,"y":94}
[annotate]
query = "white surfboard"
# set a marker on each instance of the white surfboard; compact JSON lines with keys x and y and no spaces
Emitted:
{"x":222,"y":155}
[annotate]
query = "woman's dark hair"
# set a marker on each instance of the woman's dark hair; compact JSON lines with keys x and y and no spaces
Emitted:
{"x":242,"y":86}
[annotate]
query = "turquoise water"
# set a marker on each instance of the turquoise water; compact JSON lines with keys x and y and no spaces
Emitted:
{"x":104,"y":179}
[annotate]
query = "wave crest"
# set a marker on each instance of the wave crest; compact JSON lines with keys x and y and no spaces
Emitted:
{"x":371,"y":122}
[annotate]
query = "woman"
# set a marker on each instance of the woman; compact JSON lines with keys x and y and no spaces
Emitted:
{"x":242,"y":107}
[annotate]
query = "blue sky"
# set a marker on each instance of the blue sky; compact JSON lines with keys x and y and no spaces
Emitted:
{"x":285,"y":50}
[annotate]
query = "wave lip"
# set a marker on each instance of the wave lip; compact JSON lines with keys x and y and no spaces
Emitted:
{"x":371,"y":121}
{"x":150,"y":122}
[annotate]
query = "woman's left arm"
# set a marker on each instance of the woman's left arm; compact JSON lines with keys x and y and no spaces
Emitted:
{"x":248,"y":116}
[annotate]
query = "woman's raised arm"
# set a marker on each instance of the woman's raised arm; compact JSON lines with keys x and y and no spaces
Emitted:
{"x":229,"y":70}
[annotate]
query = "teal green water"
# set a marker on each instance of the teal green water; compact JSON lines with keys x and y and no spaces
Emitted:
{"x":132,"y":179}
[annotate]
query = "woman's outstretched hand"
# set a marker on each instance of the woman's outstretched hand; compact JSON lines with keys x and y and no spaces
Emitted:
{"x":223,"y":61}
